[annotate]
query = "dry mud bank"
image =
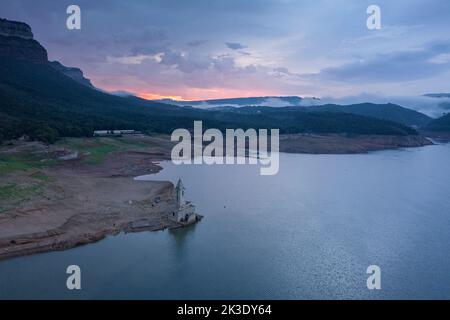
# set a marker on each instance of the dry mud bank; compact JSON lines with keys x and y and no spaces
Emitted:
{"x":81,"y":200}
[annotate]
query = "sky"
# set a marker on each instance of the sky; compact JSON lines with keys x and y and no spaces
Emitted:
{"x":208,"y":49}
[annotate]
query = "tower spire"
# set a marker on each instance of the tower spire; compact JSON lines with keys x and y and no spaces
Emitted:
{"x":179,"y":190}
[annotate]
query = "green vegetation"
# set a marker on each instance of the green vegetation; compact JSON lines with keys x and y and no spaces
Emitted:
{"x":40,"y":176}
{"x":440,"y":124}
{"x":98,"y":153}
{"x":91,"y":144}
{"x":390,"y":112}
{"x":16,"y":162}
{"x":12,"y":194}
{"x":10,"y":164}
{"x":44,"y":104}
{"x":13,"y":191}
{"x":97,"y":149}
{"x":23,"y":161}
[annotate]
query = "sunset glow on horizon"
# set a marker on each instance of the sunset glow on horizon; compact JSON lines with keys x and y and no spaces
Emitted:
{"x":197,"y":94}
{"x":155,"y":96}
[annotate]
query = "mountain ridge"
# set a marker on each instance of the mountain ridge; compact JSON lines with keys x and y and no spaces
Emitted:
{"x":16,"y":41}
{"x":45,"y":103}
{"x":389,"y":111}
{"x":72,"y":72}
{"x":441,"y":124}
{"x":245,"y":101}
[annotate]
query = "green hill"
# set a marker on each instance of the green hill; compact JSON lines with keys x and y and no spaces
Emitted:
{"x":37,"y":100}
{"x":390,"y":112}
{"x":440,"y":124}
{"x":46,"y":100}
{"x":43,"y":103}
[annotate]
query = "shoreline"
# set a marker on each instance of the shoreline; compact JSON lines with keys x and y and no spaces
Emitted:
{"x":345,"y":144}
{"x":81,"y":201}
{"x":52,"y":225}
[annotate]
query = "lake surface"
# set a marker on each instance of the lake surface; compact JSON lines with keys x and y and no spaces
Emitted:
{"x":309,"y":232}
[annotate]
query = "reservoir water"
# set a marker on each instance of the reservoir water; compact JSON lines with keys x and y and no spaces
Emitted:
{"x":309,"y":232}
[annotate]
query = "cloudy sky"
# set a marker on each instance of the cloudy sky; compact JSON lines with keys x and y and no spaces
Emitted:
{"x":201,"y":49}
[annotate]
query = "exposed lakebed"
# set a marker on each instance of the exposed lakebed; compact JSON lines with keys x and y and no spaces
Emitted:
{"x":308,"y":232}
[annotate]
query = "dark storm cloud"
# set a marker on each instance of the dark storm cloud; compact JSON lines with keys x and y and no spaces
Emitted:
{"x":291,"y":47}
{"x":431,"y":60}
{"x":197,"y":43}
{"x":235,"y":45}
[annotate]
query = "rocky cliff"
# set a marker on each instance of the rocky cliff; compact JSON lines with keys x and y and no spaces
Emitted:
{"x":15,"y":29}
{"x":16,"y":41}
{"x":74,"y":73}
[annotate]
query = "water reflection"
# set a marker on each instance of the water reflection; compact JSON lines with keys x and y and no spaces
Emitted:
{"x":180,"y":236}
{"x":309,"y":232}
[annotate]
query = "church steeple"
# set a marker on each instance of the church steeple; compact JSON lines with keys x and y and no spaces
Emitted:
{"x":179,"y":191}
{"x":184,"y":212}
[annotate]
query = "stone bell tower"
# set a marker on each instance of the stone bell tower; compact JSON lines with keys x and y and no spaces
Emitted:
{"x":179,"y":193}
{"x":184,"y":212}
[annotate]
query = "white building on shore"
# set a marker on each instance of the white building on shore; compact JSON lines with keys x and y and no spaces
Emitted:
{"x":113,"y":133}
